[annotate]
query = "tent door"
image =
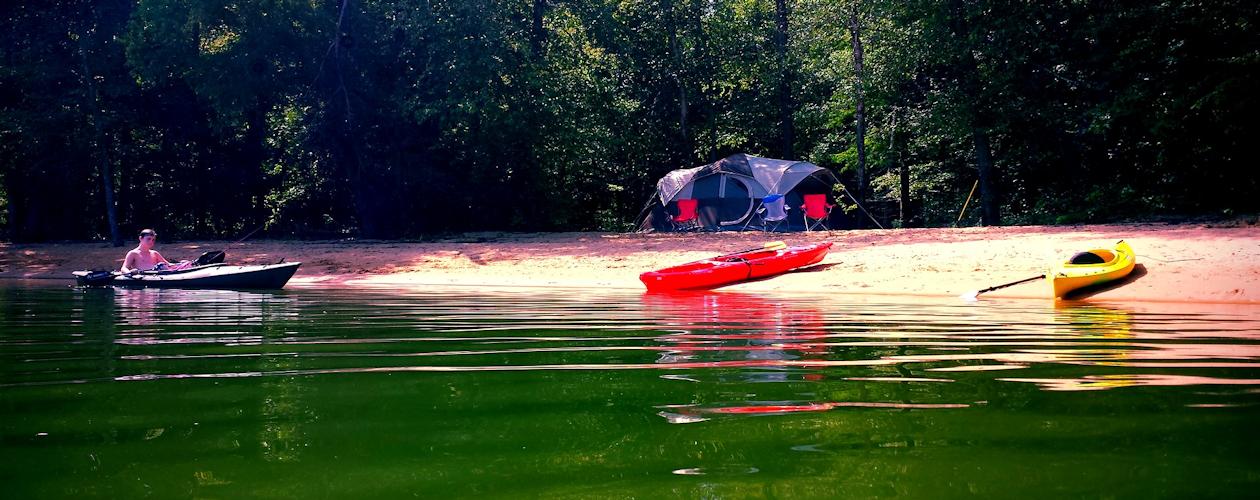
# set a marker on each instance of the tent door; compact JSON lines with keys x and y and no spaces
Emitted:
{"x":736,"y":200}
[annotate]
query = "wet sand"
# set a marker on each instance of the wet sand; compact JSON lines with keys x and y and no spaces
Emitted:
{"x":1176,"y":262}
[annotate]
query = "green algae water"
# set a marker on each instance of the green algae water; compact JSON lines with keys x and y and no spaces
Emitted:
{"x":581,"y":394}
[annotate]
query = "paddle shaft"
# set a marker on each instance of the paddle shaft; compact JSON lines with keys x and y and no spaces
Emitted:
{"x":1013,"y":283}
{"x":766,"y":246}
{"x":965,"y":203}
{"x":251,"y":233}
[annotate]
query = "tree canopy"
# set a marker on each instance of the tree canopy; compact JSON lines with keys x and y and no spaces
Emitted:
{"x":389,"y":119}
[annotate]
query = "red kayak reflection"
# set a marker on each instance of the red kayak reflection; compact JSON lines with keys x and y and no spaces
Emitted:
{"x":738,"y":330}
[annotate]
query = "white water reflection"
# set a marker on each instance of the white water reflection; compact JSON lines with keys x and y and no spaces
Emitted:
{"x":702,"y":338}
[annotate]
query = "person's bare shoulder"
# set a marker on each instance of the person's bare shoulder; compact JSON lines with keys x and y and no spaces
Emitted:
{"x":130,"y":259}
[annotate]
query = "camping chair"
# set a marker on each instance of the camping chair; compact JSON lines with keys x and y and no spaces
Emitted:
{"x":817,"y":211}
{"x":773,"y":212}
{"x":687,"y":218}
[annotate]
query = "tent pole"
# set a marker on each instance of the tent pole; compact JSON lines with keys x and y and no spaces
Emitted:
{"x":859,"y":205}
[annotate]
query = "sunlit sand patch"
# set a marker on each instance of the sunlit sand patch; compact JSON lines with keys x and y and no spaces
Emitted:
{"x":311,"y":280}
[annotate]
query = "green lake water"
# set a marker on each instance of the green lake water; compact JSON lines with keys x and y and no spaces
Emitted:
{"x":595,"y":394}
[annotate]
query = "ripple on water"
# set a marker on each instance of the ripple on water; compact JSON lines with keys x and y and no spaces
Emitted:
{"x":72,"y":336}
{"x":166,"y":393}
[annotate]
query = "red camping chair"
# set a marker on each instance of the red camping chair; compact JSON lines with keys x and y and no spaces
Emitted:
{"x":687,"y":218}
{"x":817,"y":211}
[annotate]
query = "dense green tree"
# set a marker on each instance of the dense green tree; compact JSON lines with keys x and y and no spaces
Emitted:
{"x":398,"y":118}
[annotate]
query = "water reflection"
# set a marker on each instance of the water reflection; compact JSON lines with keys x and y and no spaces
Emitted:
{"x":721,"y":329}
{"x":1163,"y":341}
{"x":224,"y":394}
{"x":723,"y":337}
{"x":145,"y":306}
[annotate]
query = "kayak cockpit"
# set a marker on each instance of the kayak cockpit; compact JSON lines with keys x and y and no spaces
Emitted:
{"x":1092,"y":258}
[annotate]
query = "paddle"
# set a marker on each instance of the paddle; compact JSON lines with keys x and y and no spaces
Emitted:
{"x":773,"y":245}
{"x":218,"y":256}
{"x":973,"y":295}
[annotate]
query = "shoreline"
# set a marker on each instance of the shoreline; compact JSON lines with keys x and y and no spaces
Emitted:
{"x":1178,"y":262}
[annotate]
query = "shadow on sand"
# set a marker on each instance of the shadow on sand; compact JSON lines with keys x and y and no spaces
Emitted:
{"x":814,"y":268}
{"x":809,"y":269}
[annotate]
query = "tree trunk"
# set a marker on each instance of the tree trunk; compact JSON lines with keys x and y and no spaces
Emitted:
{"x":526,"y":180}
{"x":255,"y":154}
{"x":671,"y":25}
{"x":786,"y":127}
{"x":345,"y":143}
{"x":984,"y":165}
{"x":904,"y":170}
{"x":980,"y":120}
{"x":102,"y":150}
{"x":905,"y":192}
{"x":538,"y":34}
{"x":970,"y":85}
{"x":855,"y":32}
{"x":11,"y":208}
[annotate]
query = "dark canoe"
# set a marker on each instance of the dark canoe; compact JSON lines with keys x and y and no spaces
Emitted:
{"x":216,"y":276}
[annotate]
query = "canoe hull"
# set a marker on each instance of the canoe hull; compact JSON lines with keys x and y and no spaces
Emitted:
{"x":264,"y":277}
{"x":1118,"y":263}
{"x":726,"y":270}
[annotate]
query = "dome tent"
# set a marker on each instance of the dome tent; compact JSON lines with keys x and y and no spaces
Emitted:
{"x":729,"y":192}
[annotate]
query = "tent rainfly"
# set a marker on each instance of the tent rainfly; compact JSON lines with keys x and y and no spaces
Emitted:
{"x":729,"y":192}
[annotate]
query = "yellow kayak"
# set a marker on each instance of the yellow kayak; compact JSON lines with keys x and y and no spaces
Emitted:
{"x":1092,"y":268}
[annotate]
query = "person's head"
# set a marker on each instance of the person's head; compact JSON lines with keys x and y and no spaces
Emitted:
{"x":148,"y":238}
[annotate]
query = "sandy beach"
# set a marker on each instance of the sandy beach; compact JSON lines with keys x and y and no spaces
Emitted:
{"x":1176,"y":262}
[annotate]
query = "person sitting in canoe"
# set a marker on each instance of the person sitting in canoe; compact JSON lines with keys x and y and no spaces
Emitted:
{"x":145,"y":258}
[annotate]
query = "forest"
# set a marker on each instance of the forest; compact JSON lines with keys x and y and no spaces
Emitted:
{"x":387,"y":119}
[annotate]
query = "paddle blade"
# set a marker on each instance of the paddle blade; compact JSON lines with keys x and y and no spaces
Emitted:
{"x":775,"y":245}
{"x":971,"y":296}
{"x":96,"y":278}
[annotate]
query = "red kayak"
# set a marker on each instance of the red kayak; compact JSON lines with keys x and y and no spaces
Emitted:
{"x":734,"y":268}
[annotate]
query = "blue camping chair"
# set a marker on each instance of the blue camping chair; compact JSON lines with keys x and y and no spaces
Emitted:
{"x":773,"y":212}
